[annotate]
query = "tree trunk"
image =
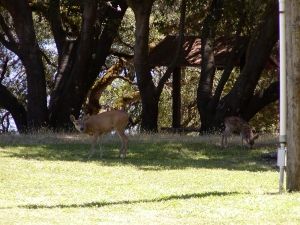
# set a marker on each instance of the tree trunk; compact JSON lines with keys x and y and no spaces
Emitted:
{"x":69,"y":99}
{"x":238,"y":99}
{"x":80,"y":60}
{"x":293,"y":94}
{"x":149,"y":93}
{"x":208,"y":68}
{"x":212,"y":109}
{"x":29,"y":53}
{"x":17,"y":110}
{"x":77,"y":68}
{"x":142,"y":10}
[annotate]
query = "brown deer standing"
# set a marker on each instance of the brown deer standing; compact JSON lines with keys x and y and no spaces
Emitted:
{"x":234,"y":123}
{"x":98,"y":124}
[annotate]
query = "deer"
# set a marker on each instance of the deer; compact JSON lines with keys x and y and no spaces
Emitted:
{"x":104,"y":122}
{"x":234,"y":123}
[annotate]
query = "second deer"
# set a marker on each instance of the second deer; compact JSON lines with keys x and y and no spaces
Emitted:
{"x":237,"y":124}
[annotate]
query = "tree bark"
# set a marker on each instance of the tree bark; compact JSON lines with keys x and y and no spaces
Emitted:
{"x":17,"y":110}
{"x":293,"y":94}
{"x":149,"y":93}
{"x":29,"y":53}
{"x":142,"y":10}
{"x":208,"y":68}
{"x":79,"y":59}
{"x":238,"y":101}
{"x":239,"y":97}
{"x":93,"y":107}
{"x":77,"y":68}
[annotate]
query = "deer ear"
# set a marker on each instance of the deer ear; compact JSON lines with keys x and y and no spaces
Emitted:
{"x":72,"y":118}
{"x":255,"y":137}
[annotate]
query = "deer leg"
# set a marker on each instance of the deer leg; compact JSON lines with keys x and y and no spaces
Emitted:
{"x":242,"y":142}
{"x":226,"y":140}
{"x":123,"y":149}
{"x":100,"y":146}
{"x":222,"y":142}
{"x":95,"y":137}
{"x":224,"y":136}
{"x":125,"y":141}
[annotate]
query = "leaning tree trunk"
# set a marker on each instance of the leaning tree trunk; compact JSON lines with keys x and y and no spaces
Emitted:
{"x":241,"y":98}
{"x":241,"y":95}
{"x":293,"y":95}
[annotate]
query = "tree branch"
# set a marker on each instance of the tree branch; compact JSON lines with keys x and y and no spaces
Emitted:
{"x":172,"y":66}
{"x":121,"y":54}
{"x":11,"y":44}
{"x":4,"y":69}
{"x":262,"y":99}
{"x":208,"y":68}
{"x":56,"y":25}
{"x":235,"y":53}
{"x":48,"y":60}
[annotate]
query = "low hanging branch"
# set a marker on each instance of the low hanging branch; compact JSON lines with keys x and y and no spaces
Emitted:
{"x":93,"y":107}
{"x":134,"y":97}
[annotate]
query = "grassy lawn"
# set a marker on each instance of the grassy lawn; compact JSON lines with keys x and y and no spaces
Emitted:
{"x":166,"y":179}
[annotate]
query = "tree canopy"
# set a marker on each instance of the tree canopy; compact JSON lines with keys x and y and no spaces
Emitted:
{"x":58,"y":57}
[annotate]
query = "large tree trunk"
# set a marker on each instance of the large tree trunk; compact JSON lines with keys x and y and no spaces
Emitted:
{"x":80,"y":60}
{"x":238,"y":99}
{"x":208,"y":68}
{"x":293,"y":95}
{"x":237,"y":102}
{"x":73,"y":89}
{"x":29,"y":53}
{"x":149,"y":93}
{"x":77,"y":68}
{"x":142,"y":10}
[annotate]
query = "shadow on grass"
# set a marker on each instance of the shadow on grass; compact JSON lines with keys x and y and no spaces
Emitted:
{"x":128,"y":202}
{"x":149,"y":155}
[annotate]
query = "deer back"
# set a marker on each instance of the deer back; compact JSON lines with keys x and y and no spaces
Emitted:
{"x":237,"y":124}
{"x":106,"y":121}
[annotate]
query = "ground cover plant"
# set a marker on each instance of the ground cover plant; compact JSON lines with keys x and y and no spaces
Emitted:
{"x":166,"y":179}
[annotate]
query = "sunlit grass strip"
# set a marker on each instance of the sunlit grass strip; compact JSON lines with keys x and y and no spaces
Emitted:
{"x":165,"y":180}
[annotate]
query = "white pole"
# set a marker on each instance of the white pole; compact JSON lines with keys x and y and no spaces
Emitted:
{"x":281,"y":154}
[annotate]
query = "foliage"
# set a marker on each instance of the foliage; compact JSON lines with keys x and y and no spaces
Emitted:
{"x":45,"y":178}
{"x":189,"y":113}
{"x":164,"y":21}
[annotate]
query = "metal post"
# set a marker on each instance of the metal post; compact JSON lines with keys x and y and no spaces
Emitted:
{"x":281,"y":154}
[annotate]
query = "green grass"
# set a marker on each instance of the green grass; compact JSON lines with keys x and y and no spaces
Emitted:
{"x":166,"y":179}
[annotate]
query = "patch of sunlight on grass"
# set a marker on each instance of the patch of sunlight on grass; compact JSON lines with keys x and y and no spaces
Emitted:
{"x":166,"y":179}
